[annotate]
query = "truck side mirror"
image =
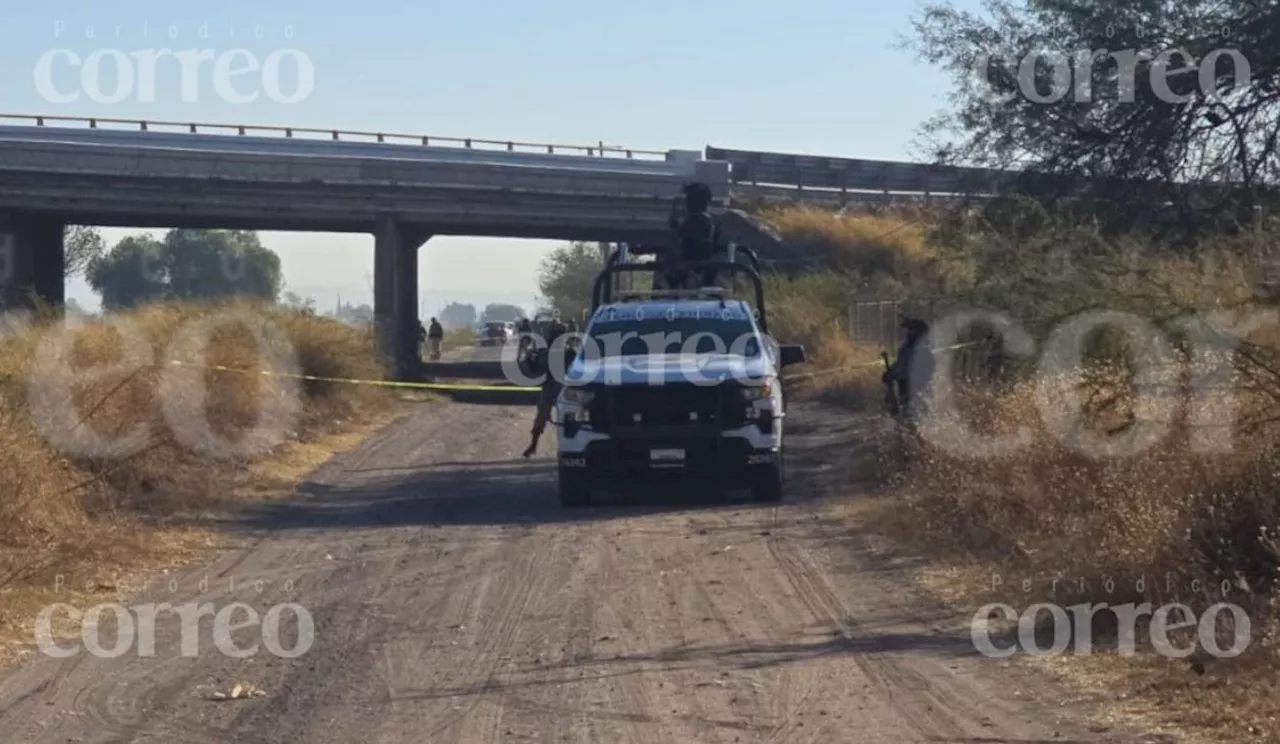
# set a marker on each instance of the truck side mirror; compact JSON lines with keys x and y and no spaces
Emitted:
{"x":790,"y":354}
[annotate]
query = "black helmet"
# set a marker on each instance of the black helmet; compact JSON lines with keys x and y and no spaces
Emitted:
{"x":697,"y":192}
{"x":915,"y":326}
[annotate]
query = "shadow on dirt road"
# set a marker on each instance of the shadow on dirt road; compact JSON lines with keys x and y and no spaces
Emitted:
{"x":433,"y":490}
{"x":481,"y":493}
{"x":450,"y":599}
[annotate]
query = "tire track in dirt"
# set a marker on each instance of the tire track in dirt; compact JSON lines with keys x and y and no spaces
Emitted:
{"x":497,"y":631}
{"x":456,"y":602}
{"x":931,"y":711}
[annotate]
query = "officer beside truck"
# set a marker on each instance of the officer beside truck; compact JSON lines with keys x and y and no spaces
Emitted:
{"x":551,"y":385}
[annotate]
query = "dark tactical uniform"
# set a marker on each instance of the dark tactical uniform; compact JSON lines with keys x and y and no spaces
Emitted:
{"x":912,"y":372}
{"x":435,"y":337}
{"x":422,"y":335}
{"x":550,"y":385}
{"x":525,"y":330}
{"x":698,"y":235}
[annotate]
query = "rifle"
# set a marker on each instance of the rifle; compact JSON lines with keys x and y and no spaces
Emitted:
{"x":890,"y":389}
{"x":674,"y":220}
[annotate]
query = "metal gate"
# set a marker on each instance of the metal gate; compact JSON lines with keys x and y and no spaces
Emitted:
{"x":876,"y":321}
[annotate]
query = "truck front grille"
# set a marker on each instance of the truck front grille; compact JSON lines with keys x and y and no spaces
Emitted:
{"x":672,"y":404}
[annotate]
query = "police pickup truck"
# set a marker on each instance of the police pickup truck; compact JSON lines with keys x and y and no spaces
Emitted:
{"x":675,"y":387}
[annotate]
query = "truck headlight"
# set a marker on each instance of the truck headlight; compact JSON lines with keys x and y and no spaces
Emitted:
{"x":760,"y":389}
{"x":578,"y":397}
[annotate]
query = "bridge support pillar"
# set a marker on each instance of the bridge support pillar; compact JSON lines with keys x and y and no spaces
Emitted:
{"x":395,"y":295}
{"x":386,"y":243}
{"x":32,"y":262}
{"x":405,"y":315}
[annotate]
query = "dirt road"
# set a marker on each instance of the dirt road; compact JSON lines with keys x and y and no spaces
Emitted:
{"x":454,"y":601}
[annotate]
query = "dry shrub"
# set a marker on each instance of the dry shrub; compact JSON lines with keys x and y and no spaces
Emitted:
{"x":1184,"y":521}
{"x":459,"y":338}
{"x":886,"y":252}
{"x":1168,"y":523}
{"x":66,"y":499}
{"x":1170,"y":509}
{"x":810,"y":310}
{"x":851,"y":241}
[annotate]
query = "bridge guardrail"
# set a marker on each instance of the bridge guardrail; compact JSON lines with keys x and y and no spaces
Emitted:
{"x":144,"y":125}
{"x":747,"y":193}
{"x":803,"y":172}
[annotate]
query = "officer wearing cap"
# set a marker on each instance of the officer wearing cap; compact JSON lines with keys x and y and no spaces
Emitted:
{"x":912,"y":372}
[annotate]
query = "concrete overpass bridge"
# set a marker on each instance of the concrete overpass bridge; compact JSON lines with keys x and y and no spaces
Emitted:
{"x":403,"y":189}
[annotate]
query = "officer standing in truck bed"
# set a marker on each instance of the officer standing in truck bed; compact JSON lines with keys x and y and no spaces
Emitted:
{"x":697,"y":235}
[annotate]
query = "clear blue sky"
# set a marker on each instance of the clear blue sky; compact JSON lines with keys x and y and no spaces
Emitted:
{"x":809,"y":76}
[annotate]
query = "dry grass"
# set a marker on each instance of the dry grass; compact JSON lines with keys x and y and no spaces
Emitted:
{"x":808,"y":310}
{"x":107,"y":460}
{"x":887,"y":252}
{"x":1165,"y":524}
{"x":459,"y":338}
{"x":1168,"y":522}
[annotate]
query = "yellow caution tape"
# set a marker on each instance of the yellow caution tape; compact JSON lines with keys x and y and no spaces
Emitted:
{"x":379,"y":383}
{"x":510,"y":388}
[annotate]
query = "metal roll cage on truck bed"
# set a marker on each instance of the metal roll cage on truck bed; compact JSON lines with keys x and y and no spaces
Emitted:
{"x":636,"y":417}
{"x":603,"y":292}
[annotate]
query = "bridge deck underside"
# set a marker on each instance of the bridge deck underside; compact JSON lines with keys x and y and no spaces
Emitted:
{"x":111,"y":200}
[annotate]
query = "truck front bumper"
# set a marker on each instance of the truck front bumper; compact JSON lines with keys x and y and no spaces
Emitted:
{"x":722,"y":461}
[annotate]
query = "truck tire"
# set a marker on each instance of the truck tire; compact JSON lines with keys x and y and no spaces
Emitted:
{"x":575,"y":489}
{"x":768,"y":486}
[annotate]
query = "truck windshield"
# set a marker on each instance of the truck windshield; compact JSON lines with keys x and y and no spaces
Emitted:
{"x":735,"y":335}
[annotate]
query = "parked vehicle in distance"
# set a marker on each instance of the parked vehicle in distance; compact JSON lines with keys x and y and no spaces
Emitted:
{"x":497,"y":333}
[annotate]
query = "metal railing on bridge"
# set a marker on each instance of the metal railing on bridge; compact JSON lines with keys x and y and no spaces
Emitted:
{"x":311,"y":133}
{"x":851,"y":180}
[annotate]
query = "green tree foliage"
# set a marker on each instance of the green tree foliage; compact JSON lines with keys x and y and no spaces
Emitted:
{"x":1146,"y":110}
{"x":81,"y":245}
{"x":187,"y":264}
{"x":458,"y":315}
{"x":566,"y":278}
{"x":75,"y":309}
{"x":131,"y":273}
{"x":298,"y":303}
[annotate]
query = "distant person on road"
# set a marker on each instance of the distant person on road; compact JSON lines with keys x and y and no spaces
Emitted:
{"x":551,"y":386}
{"x":435,"y":337}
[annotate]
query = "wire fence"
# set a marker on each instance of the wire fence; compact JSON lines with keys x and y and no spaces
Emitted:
{"x":877,"y":322}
